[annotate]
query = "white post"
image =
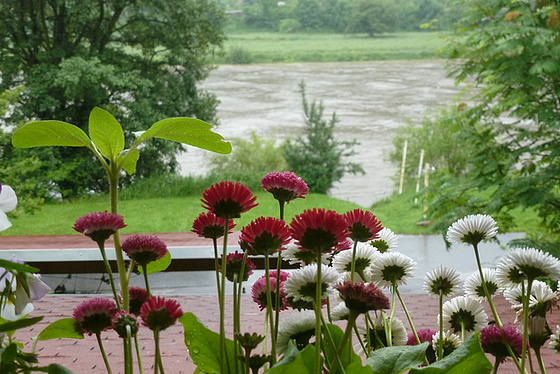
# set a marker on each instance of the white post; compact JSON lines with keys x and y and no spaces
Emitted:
{"x":405,"y":146}
{"x":426,"y":184}
{"x":419,"y":175}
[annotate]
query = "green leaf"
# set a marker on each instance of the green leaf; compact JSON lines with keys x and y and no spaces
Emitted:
{"x":50,"y":133}
{"x":62,"y":328}
{"x":158,"y":265}
{"x":357,"y":368}
{"x":58,"y":369}
{"x":204,"y":346}
{"x":9,"y":265}
{"x":296,"y":362}
{"x":468,"y":358}
{"x":189,"y":131}
{"x":130,"y":158}
{"x":395,"y":360}
{"x":347,"y":356}
{"x":106,"y":133}
{"x":19,"y":324}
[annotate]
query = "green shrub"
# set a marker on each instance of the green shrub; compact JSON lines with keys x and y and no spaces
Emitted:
{"x":289,"y":25}
{"x":238,"y":55}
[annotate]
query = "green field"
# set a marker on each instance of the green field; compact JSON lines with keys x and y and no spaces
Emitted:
{"x":269,"y":47}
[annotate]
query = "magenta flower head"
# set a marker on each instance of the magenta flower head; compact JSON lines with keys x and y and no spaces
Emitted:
{"x":144,"y":249}
{"x":159,"y":313}
{"x":95,"y":315}
{"x":207,"y":225}
{"x":258,"y":291}
{"x":319,"y":230}
{"x":137,"y":297}
{"x":425,"y":335}
{"x":228,"y":199}
{"x":362,"y":297}
{"x":494,"y":342}
{"x":285,"y":187}
{"x":99,"y":226}
{"x":362,"y":225}
{"x":122,"y":320}
{"x":234,"y":262}
{"x":265,"y":235}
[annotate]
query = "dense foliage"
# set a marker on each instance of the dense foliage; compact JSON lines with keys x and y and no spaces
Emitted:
{"x":317,"y":156}
{"x":362,"y":16}
{"x":510,"y":51}
{"x":140,"y":59}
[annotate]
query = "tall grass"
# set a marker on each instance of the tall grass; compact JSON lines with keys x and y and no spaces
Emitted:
{"x":269,"y":47}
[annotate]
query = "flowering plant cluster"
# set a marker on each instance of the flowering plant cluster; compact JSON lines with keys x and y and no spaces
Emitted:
{"x":334,"y":313}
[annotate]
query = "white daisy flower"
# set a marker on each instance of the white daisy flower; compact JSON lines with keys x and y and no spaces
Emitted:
{"x":555,"y":340}
{"x":514,"y":295}
{"x":442,"y":280}
{"x":534,"y":263}
{"x":301,"y":285}
{"x":507,"y":274}
{"x":450,"y":342}
{"x":391,"y":268}
{"x":387,"y":241}
{"x":473,"y":284}
{"x":365,"y":256}
{"x":294,"y":255}
{"x":466,"y":311}
{"x":298,"y":326}
{"x":8,"y":202}
{"x":541,"y":300}
{"x":399,"y":335}
{"x":472,"y":229}
{"x":340,"y":312}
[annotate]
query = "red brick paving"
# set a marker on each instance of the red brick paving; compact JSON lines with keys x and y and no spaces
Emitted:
{"x":82,"y":356}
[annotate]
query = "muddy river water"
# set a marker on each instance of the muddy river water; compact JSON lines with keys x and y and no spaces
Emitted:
{"x":371,"y":99}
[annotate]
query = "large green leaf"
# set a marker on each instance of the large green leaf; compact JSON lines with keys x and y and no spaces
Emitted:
{"x":19,"y":324}
{"x":9,"y":265}
{"x":58,"y":369}
{"x":468,"y":358}
{"x":158,"y":265}
{"x":189,"y":131}
{"x":106,"y":133}
{"x":395,"y":360}
{"x":204,"y":346}
{"x":62,"y":328}
{"x":130,"y":158}
{"x":296,"y":362}
{"x":50,"y":133}
{"x":347,"y":355}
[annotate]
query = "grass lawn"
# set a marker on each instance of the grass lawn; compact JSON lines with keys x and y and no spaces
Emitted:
{"x":156,"y":215}
{"x":268,"y":47}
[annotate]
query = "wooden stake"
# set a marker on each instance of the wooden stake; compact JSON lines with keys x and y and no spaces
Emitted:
{"x":405,"y":146}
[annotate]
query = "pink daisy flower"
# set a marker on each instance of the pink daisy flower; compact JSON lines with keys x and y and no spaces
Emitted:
{"x":137,"y":296}
{"x":265,"y":235}
{"x":207,"y":225}
{"x":319,"y":230}
{"x":259,"y":291}
{"x":95,"y":315}
{"x":362,"y":225}
{"x":361,"y":297}
{"x":144,"y":249}
{"x":123,"y":319}
{"x":494,"y":342}
{"x":234,"y":262}
{"x":159,"y":313}
{"x":228,"y":199}
{"x":99,"y":226}
{"x":285,"y":187}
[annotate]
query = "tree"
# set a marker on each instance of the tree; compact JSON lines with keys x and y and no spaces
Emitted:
{"x":510,"y":51}
{"x":318,"y":157}
{"x":372,"y":17}
{"x":139,"y":59}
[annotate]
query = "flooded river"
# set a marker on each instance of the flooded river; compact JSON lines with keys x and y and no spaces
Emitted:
{"x":371,"y":99}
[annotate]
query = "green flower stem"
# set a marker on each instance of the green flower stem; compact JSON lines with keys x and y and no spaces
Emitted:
{"x":526,"y":297}
{"x":113,"y":188}
{"x":145,"y":271}
{"x":540,"y":360}
{"x":216,"y":264}
{"x":269,"y":310}
{"x":103,"y":354}
{"x":338,"y":352}
{"x":407,"y":314}
{"x":157,"y":364}
{"x":389,"y":326}
{"x":128,"y":349}
{"x":360,"y":340}
{"x":265,"y":331}
{"x":353,"y":263}
{"x":221,"y":300}
{"x":440,"y":345}
{"x":236,"y":320}
{"x":348,"y":331}
{"x":520,"y":367}
{"x":101,"y":245}
{"x":329,"y":310}
{"x":462,"y":331}
{"x":530,"y":359}
{"x":376,"y":335}
{"x":318,"y":298}
{"x":496,"y":365}
{"x":281,"y":204}
{"x":138,"y":354}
